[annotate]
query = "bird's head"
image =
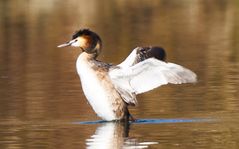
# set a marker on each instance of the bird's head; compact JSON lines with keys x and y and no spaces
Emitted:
{"x":85,"y":39}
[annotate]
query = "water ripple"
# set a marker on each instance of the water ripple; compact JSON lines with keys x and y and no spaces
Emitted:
{"x":157,"y":121}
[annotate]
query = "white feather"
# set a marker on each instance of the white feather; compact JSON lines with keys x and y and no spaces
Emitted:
{"x":95,"y":93}
{"x":129,"y":61}
{"x":149,"y":74}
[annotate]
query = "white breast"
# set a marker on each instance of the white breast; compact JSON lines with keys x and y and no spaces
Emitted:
{"x":95,"y":93}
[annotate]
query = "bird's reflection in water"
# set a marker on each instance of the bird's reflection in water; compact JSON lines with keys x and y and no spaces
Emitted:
{"x":114,"y":135}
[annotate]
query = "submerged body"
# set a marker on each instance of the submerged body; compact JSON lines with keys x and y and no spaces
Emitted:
{"x":111,"y":89}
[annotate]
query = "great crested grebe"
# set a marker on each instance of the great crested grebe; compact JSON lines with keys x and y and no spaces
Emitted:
{"x":111,"y":88}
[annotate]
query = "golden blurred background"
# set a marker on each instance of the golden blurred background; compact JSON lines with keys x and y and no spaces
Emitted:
{"x":39,"y":87}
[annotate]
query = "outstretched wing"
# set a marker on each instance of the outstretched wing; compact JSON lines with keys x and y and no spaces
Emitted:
{"x":129,"y":61}
{"x":149,"y":74}
{"x":140,"y":54}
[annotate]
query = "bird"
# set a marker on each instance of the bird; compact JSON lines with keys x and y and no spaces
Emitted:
{"x":109,"y":88}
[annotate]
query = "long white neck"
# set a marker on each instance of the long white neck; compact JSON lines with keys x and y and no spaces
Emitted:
{"x":95,"y":92}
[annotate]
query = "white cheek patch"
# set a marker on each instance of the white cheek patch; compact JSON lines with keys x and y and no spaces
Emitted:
{"x":75,"y":44}
{"x":79,"y":42}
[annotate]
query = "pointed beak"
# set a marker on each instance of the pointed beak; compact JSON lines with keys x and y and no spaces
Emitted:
{"x":69,"y":43}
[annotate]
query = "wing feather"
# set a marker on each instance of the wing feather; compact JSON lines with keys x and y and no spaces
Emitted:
{"x":149,"y":74}
{"x":129,"y":61}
